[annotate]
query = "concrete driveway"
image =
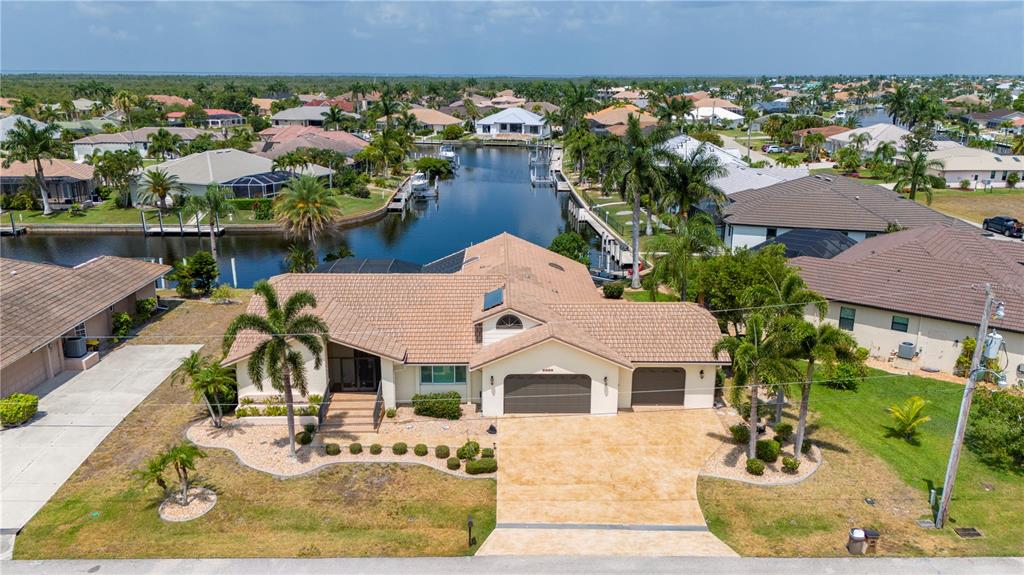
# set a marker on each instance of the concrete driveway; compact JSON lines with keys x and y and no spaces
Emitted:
{"x":76,"y":412}
{"x":604,"y":485}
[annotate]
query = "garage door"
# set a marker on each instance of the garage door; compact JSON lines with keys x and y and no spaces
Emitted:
{"x":659,"y":386}
{"x":547,"y":393}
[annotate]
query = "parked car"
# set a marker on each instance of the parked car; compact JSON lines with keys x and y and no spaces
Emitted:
{"x":1006,"y":225}
{"x":775,"y":149}
{"x":795,"y":148}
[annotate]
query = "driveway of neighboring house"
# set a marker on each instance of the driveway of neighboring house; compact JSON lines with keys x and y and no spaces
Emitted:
{"x":76,"y":412}
{"x":604,"y":485}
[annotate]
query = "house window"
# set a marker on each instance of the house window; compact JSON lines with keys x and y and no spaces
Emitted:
{"x":770,"y":233}
{"x":80,"y":330}
{"x":900,"y":323}
{"x":509,"y":322}
{"x":992,"y":175}
{"x":442,"y":374}
{"x":846,"y":317}
{"x":478,"y":333}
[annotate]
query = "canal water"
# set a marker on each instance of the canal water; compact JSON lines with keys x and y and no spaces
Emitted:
{"x":490,"y":194}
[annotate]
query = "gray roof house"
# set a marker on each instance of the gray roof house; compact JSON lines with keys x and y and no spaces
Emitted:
{"x":303,"y":116}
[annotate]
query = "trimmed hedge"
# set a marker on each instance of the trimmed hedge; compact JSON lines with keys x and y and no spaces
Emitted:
{"x":375,"y":449}
{"x":755,"y":466}
{"x":768,"y":450}
{"x":355,"y":448}
{"x":399,"y":448}
{"x":440,"y":405}
{"x":391,"y":413}
{"x":468,"y":451}
{"x":304,"y":438}
{"x":421,"y":449}
{"x":18,"y":408}
{"x":783,"y":432}
{"x":790,"y":464}
{"x":483,"y":465}
{"x":454,"y":463}
{"x":442,"y":452}
{"x":806,"y":448}
{"x":487,"y":453}
{"x":740,"y":433}
{"x":613,"y":290}
{"x":332,"y":449}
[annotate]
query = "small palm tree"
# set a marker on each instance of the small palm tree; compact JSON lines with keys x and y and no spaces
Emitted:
{"x":28,"y":143}
{"x":333,"y":117}
{"x":274,"y":357}
{"x":696,"y":238}
{"x":814,"y":142}
{"x":158,"y":185}
{"x":307,"y":209}
{"x":183,"y":458}
{"x":300,"y":259}
{"x":207,"y":380}
{"x":152,"y":471}
{"x":913,"y":174}
{"x":214,"y":202}
{"x":860,"y":141}
{"x":908,"y":417}
{"x":125,"y":101}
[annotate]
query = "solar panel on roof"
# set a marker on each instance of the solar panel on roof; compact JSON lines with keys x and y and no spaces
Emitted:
{"x":494,"y":298}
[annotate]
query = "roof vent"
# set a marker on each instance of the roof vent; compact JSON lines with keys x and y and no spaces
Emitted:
{"x":856,"y":198}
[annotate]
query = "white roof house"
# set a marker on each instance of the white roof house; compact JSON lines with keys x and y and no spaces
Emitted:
{"x":981,"y":168}
{"x":248,"y":175}
{"x":7,"y":124}
{"x":303,"y":116}
{"x":514,"y":121}
{"x":715,"y":114}
{"x":877,"y":134}
{"x":740,"y":175}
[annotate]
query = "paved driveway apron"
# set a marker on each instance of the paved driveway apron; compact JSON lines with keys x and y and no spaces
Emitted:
{"x":76,"y":413}
{"x":604,"y":485}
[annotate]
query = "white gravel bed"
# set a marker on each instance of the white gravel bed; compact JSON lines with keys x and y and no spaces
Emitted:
{"x":200,"y":501}
{"x":729,"y":461}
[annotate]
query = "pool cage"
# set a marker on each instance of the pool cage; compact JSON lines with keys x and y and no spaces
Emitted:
{"x":265,"y":185}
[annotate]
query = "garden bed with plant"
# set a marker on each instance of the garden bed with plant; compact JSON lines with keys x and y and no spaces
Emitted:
{"x":776,"y":464}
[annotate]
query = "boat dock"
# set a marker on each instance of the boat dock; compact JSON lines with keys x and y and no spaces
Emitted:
{"x":181,"y":227}
{"x":13,"y":230}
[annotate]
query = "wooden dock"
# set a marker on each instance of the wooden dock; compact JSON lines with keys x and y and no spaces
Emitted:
{"x":181,"y":227}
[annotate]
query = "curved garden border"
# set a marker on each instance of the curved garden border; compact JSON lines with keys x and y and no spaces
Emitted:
{"x":172,"y":499}
{"x":749,"y":479}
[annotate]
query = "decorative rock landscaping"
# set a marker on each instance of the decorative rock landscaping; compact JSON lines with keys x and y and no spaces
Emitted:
{"x":729,"y":461}
{"x":200,"y":501}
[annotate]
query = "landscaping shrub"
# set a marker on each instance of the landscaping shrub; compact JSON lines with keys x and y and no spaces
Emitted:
{"x":355,"y":448}
{"x":468,"y":451}
{"x":375,"y":449}
{"x":420,"y":449}
{"x":783,"y":432}
{"x":307,"y":410}
{"x":275,"y":410}
{"x":454,"y":463}
{"x":487,"y":453}
{"x":315,"y":399}
{"x":439,"y":405}
{"x":965,"y":184}
{"x":309,"y":428}
{"x":442,"y":452}
{"x":18,"y":408}
{"x":453,"y":132}
{"x":937,"y":182}
{"x":222,"y":294}
{"x":304,"y":438}
{"x":247,"y":411}
{"x":399,"y":448}
{"x":755,"y":466}
{"x":768,"y":450}
{"x":790,"y":464}
{"x":994,"y":432}
{"x":613,"y":290}
{"x":391,"y":413}
{"x":908,"y":417}
{"x":332,"y":449}
{"x":144,"y":308}
{"x":740,"y":433}
{"x":806,"y":447}
{"x":262,"y":210}
{"x":482,"y":465}
{"x":122,"y":324}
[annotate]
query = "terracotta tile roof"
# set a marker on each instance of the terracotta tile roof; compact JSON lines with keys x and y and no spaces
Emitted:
{"x":41,"y":302}
{"x":613,"y":115}
{"x":342,"y":142}
{"x":53,"y":168}
{"x":141,"y":135}
{"x":826,"y":131}
{"x":338,"y":102}
{"x":168,"y":100}
{"x":211,"y":112}
{"x":715,"y":103}
{"x":921,"y":272}
{"x":558,"y":331}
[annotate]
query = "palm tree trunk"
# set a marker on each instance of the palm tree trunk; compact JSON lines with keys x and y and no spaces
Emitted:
{"x":805,"y":399}
{"x":209,"y":406}
{"x":286,"y":377}
{"x":635,"y":283}
{"x":184,"y":485}
{"x":780,"y":398}
{"x":752,"y":444}
{"x":47,"y":210}
{"x":213,"y":240}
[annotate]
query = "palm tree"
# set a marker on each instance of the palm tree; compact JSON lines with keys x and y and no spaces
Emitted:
{"x":825,"y":344}
{"x":183,"y":458}
{"x":579,"y":145}
{"x":860,"y":141}
{"x":28,"y":143}
{"x":577,"y":102}
{"x":691,"y":180}
{"x":213,"y":381}
{"x":300,"y":259}
{"x":157,"y":185}
{"x":758,"y":356}
{"x":885,"y":153}
{"x":153,"y":472}
{"x":913,"y":173}
{"x":813,"y":143}
{"x":125,"y":101}
{"x":673,"y":111}
{"x":306,"y":208}
{"x":333,"y":117}
{"x":162,"y":143}
{"x":897,"y":103}
{"x":1017,"y":145}
{"x":214,"y":202}
{"x":695,"y":238}
{"x":274,"y":356}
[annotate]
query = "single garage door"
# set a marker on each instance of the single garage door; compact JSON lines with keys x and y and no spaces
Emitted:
{"x":659,"y":385}
{"x":547,"y":393}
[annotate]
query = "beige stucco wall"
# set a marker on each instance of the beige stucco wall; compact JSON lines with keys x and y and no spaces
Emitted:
{"x":552,"y":357}
{"x":31,"y":370}
{"x":316,"y":379}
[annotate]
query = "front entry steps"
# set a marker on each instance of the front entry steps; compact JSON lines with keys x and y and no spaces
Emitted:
{"x":349,"y":413}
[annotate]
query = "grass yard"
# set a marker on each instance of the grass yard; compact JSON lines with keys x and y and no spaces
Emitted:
{"x":104,"y":213}
{"x":866,"y":176}
{"x":644,"y":295}
{"x":975,"y":206}
{"x":812,"y":518}
{"x":341,"y":510}
{"x":350,"y":206}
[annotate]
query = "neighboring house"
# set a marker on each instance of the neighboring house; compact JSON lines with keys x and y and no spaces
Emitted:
{"x":814,"y":243}
{"x":634,"y":97}
{"x":66,"y":182}
{"x":614,"y":119}
{"x":740,"y":176}
{"x":507,"y":99}
{"x":310,"y":97}
{"x":7,"y":106}
{"x":541,"y":107}
{"x":511,"y":327}
{"x":435,"y":120}
{"x":7,"y":124}
{"x":826,"y":131}
{"x":263,"y":105}
{"x":247,"y":175}
{"x":822,"y":202}
{"x":877,"y":133}
{"x":274,"y":146}
{"x":338,"y":102}
{"x":982,"y":168}
{"x":215,"y":118}
{"x":131,"y":140}
{"x":993,"y":118}
{"x":42,"y":305}
{"x":965,"y":100}
{"x":911,"y":286}
{"x":81,"y":105}
{"x":717,"y":111}
{"x":87,"y":127}
{"x":716,"y":103}
{"x":513,"y":121}
{"x":303,"y":116}
{"x":167,"y":100}
{"x":776,"y":106}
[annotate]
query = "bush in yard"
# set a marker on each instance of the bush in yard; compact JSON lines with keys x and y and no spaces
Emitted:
{"x":573,"y":246}
{"x":908,"y":417}
{"x":790,"y":464}
{"x":454,"y":463}
{"x":309,"y":428}
{"x":122,"y":324}
{"x":276,"y":410}
{"x":613,"y":290}
{"x":399,"y":448}
{"x":845,"y":376}
{"x":783,"y":432}
{"x":1012,"y":179}
{"x":995,"y":430}
{"x":440,"y":405}
{"x":487,"y":453}
{"x":482,"y":465}
{"x":355,"y":448}
{"x":222,"y":294}
{"x":332,"y":449}
{"x":740,"y":433}
{"x":262,"y":210}
{"x":18,"y":408}
{"x":442,"y":452}
{"x":965,"y":184}
{"x":453,"y":132}
{"x":303,"y":437}
{"x":247,"y":411}
{"x":375,"y":449}
{"x":768,"y":450}
{"x":144,"y":308}
{"x":468,"y":451}
{"x":755,"y":466}
{"x":421,"y":449}
{"x":391,"y":413}
{"x":806,"y":447}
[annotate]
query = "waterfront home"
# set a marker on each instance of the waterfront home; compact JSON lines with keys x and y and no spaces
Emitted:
{"x":826,"y":131}
{"x":303,"y":116}
{"x":7,"y":124}
{"x":909,"y":289}
{"x":426,"y":118}
{"x":876,"y":133}
{"x":822,"y":202}
{"x":137,"y":139}
{"x":278,"y":140}
{"x":215,"y":118}
{"x":613,"y":119}
{"x":246,"y":175}
{"x":992,"y":119}
{"x":739,"y":175}
{"x":513,"y":121}
{"x":509,"y":325}
{"x":49,"y":312}
{"x":66,"y":182}
{"x":981,"y":168}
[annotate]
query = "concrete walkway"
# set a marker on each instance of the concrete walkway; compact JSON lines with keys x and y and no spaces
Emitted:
{"x":76,"y":412}
{"x":755,"y":154}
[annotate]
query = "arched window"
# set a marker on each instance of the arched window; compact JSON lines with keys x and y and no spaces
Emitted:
{"x":509,"y":322}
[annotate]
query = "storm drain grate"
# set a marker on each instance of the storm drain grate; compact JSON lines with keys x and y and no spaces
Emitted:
{"x":967,"y":532}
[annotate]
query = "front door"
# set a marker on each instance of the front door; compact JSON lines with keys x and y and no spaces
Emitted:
{"x":366,"y":374}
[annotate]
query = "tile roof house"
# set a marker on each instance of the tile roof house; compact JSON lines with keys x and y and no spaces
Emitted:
{"x":740,"y":176}
{"x":303,"y":116}
{"x":42,"y":305}
{"x":248,"y":175}
{"x":509,"y":325}
{"x":137,"y":139}
{"x":341,"y":103}
{"x":215,"y":118}
{"x":877,"y":133}
{"x":7,"y":124}
{"x":169,"y":100}
{"x":66,"y":182}
{"x":822,"y":202}
{"x":981,"y":168}
{"x":428,"y":118}
{"x":911,"y":286}
{"x":514,"y":122}
{"x":317,"y":138}
{"x":614,"y":119}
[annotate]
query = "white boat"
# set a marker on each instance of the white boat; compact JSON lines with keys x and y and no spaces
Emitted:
{"x":840,"y":115}
{"x":419,"y":182}
{"x":447,"y":152}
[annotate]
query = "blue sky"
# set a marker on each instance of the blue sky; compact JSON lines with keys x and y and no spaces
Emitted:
{"x":515,"y":38}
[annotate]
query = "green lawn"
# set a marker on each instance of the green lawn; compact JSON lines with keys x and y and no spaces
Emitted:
{"x":865,"y":175}
{"x":350,"y":206}
{"x":978,"y":205}
{"x":645,"y":295}
{"x":104,"y":213}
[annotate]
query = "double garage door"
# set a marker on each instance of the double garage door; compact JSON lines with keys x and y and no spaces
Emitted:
{"x":659,"y":386}
{"x":547,"y":393}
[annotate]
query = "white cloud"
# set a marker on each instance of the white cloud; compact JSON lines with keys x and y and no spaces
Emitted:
{"x":108,"y":33}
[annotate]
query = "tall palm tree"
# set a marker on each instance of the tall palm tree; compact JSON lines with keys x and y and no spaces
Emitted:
{"x":1017,"y":145}
{"x":162,"y":142}
{"x":158,"y":185}
{"x":274,"y":356}
{"x":897,"y":103}
{"x":885,"y":153}
{"x":577,"y":102}
{"x":579,"y":146}
{"x":306,"y":208}
{"x":824,"y":344}
{"x":638,"y":165}
{"x":333,"y":117}
{"x":125,"y":101}
{"x":860,"y":141}
{"x":813,"y":143}
{"x":214,"y":202}
{"x":691,"y":179}
{"x":673,"y":111}
{"x":696,"y":238}
{"x":912,"y":173}
{"x":26,"y":142}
